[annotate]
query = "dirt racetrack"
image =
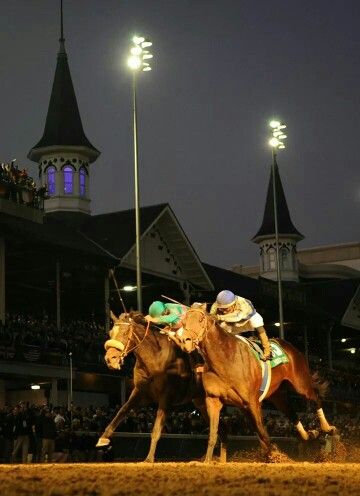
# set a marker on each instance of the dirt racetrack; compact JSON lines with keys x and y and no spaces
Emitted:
{"x":173,"y":479}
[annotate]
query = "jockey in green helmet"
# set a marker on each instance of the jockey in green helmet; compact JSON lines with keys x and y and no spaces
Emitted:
{"x":172,"y":316}
{"x":167,"y":314}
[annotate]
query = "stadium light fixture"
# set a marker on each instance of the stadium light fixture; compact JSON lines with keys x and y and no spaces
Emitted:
{"x":138,"y":62}
{"x":343,"y":340}
{"x":276,"y":142}
{"x":35,"y":386}
{"x":129,"y":288}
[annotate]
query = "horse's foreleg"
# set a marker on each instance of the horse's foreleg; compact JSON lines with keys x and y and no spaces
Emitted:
{"x":201,"y":406}
{"x":104,"y":439}
{"x":256,"y":418}
{"x":213,"y":406}
{"x":156,"y":432}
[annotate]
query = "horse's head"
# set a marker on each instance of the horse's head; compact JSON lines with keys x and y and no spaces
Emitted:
{"x":194,"y":328}
{"x":121,"y":336}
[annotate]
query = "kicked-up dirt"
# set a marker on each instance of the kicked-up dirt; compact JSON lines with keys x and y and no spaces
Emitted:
{"x":181,"y":479}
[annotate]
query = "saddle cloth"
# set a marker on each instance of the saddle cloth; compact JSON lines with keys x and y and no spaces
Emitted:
{"x":278,"y":357}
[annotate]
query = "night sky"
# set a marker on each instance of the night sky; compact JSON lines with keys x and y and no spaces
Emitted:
{"x":221,"y":70}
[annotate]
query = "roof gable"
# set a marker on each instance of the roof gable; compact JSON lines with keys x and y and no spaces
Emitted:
{"x":165,"y":248}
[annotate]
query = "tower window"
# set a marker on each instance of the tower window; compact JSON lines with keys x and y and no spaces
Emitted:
{"x":50,"y":180}
{"x":82,"y":181}
{"x":68,"y":180}
{"x":285,"y":258}
{"x":272,"y":259}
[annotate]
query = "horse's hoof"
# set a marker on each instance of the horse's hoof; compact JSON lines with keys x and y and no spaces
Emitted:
{"x":102,"y":442}
{"x":313,"y":434}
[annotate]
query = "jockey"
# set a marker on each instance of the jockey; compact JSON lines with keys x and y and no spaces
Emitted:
{"x":238,"y":315}
{"x":171,"y":315}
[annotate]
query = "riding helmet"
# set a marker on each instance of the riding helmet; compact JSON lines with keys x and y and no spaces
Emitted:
{"x":225,"y":299}
{"x":156,"y":309}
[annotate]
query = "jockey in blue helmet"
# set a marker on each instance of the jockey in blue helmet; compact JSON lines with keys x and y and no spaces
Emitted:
{"x":238,"y":315}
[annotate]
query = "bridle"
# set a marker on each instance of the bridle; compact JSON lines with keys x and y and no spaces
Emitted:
{"x":195,"y":336}
{"x":125,"y":349}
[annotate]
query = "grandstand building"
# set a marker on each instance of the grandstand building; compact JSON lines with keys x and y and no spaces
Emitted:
{"x":55,"y":262}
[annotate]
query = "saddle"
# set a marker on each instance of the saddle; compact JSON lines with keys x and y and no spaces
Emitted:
{"x":278,"y":357}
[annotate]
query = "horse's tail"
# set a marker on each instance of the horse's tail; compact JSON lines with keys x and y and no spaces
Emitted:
{"x":320,"y":385}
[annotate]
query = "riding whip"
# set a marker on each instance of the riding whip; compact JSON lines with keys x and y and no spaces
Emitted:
{"x":118,"y":290}
{"x":174,"y":301}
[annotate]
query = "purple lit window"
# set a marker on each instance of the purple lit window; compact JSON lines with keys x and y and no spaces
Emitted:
{"x":82,"y":182}
{"x":50,"y":174}
{"x":68,"y":180}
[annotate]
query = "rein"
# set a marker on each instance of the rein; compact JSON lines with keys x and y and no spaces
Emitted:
{"x":126,"y":350}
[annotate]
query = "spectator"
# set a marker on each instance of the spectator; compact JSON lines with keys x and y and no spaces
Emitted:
{"x":48,"y":435}
{"x":22,"y":430}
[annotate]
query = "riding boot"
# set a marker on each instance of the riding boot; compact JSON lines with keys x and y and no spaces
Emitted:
{"x":264,"y":343}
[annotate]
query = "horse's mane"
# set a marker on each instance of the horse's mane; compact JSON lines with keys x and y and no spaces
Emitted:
{"x":137,"y":317}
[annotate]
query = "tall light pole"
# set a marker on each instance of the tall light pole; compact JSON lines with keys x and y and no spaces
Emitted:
{"x":137,"y":61}
{"x":277,"y":143}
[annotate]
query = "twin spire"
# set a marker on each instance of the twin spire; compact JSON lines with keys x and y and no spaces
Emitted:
{"x":63,"y":126}
{"x":285,"y":225}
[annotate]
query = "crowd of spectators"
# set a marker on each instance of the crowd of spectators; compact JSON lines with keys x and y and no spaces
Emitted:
{"x":41,"y":433}
{"x":16,"y":185}
{"x":30,"y":338}
{"x":45,"y":434}
{"x":38,"y":339}
{"x":343,"y":386}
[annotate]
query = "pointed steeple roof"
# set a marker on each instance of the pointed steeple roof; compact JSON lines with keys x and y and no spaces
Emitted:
{"x":63,"y":125}
{"x":285,"y":225}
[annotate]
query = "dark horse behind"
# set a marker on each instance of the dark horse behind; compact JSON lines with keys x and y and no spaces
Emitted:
{"x":162,"y":373}
{"x":232,"y":376}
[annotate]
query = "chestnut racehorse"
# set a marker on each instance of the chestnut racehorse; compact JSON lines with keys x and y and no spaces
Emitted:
{"x":232,"y":376}
{"x":162,"y":374}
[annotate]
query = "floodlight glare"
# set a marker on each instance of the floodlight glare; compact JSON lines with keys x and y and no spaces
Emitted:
{"x":136,"y":50}
{"x":35,"y":386}
{"x":129,"y":288}
{"x":146,"y":44}
{"x":343,"y":340}
{"x":277,"y":324}
{"x":134,"y":62}
{"x":138,"y":39}
{"x":352,"y":350}
{"x":146,"y":69}
{"x":274,"y":124}
{"x":274,"y":142}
